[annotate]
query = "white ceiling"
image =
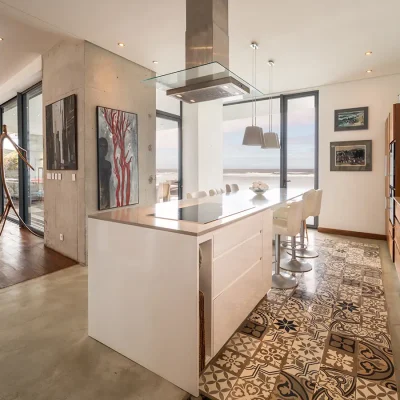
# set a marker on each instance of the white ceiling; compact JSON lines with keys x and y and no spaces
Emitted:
{"x":313,"y":42}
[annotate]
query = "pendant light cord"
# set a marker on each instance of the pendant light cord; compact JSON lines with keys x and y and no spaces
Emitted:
{"x":255,"y":85}
{"x":271,"y":66}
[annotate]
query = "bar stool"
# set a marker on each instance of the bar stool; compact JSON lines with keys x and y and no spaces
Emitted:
{"x":313,"y":199}
{"x":294,"y":222}
{"x":197,"y":195}
{"x":228,"y":188}
{"x":286,"y":222}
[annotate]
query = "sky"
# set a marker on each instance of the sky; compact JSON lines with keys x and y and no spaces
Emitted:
{"x":301,"y":146}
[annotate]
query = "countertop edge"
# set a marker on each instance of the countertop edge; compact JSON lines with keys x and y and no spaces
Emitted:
{"x":197,"y":234}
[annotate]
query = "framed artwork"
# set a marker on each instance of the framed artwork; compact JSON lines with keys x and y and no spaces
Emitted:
{"x":351,"y":156}
{"x":61,"y":135}
{"x":351,"y":119}
{"x":117,"y":158}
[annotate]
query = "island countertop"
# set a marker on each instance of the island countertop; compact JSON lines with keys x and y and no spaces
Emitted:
{"x":246,"y":199}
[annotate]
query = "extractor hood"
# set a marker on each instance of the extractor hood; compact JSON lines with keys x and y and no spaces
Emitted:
{"x":206,"y":76}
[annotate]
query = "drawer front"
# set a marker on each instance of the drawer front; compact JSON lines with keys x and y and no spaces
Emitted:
{"x":390,"y":244}
{"x":229,"y":266}
{"x":235,"y":303}
{"x":236,"y":233}
{"x":397,"y":232}
{"x":397,"y":259}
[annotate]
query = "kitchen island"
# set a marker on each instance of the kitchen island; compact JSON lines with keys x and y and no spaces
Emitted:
{"x":144,"y":276}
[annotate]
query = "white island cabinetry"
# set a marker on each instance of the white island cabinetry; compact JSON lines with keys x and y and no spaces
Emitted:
{"x":144,"y":280}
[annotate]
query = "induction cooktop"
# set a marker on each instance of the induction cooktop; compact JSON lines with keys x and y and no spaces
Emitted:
{"x":200,"y":213}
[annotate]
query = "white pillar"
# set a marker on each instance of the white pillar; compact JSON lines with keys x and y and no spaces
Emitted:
{"x":202,"y":146}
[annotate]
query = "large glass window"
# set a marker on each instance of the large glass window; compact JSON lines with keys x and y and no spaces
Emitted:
{"x":301,"y":133}
{"x":10,"y":118}
{"x":245,"y":164}
{"x":35,"y":195}
{"x":295,"y":164}
{"x":23,"y":117}
{"x":168,"y":157}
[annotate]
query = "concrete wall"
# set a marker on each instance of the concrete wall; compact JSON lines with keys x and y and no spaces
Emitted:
{"x":99,"y":78}
{"x":63,"y":75}
{"x":354,"y":201}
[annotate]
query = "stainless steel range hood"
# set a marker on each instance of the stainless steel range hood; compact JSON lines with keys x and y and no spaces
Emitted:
{"x":206,"y":76}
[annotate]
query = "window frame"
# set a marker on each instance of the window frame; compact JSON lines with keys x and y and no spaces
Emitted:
{"x":22,"y":116}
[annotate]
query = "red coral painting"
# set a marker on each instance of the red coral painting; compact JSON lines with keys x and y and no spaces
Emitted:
{"x":117,"y":158}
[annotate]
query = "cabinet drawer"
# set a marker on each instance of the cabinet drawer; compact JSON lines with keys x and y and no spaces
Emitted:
{"x":397,"y":232}
{"x":235,"y":303}
{"x":229,"y":266}
{"x":390,"y":243}
{"x":397,"y":259}
{"x":236,"y":233}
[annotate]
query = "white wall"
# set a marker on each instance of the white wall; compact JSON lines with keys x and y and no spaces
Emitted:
{"x":354,"y":201}
{"x":202,"y":134}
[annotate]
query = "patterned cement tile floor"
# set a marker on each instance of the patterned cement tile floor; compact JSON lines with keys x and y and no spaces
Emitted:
{"x":327,"y":339}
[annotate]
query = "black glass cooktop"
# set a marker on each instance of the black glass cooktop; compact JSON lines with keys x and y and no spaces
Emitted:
{"x":201,"y":213}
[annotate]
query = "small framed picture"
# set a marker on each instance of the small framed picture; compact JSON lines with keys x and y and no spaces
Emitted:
{"x":351,"y":119}
{"x":351,"y":156}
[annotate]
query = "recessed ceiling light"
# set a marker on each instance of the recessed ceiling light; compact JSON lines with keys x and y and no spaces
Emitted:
{"x":1,"y":39}
{"x":155,"y":62}
{"x":120,"y":44}
{"x":368,"y":53}
{"x":178,"y":95}
{"x":369,"y":71}
{"x":192,"y":101}
{"x":225,"y":87}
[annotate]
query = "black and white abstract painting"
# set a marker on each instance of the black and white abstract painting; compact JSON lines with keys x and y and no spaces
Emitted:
{"x":351,"y":156}
{"x":61,"y":135}
{"x":117,"y":158}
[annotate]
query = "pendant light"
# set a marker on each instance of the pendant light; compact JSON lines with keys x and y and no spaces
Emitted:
{"x":253,"y":135}
{"x":271,"y":139}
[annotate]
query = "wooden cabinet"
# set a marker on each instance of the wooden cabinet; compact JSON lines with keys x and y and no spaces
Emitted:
{"x":392,"y":177}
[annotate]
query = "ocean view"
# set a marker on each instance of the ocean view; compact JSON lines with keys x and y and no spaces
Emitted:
{"x":299,"y":178}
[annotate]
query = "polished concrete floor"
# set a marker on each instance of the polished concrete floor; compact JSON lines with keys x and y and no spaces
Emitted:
{"x":45,"y":353}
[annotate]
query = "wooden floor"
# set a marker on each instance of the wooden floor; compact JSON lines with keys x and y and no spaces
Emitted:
{"x":24,"y":256}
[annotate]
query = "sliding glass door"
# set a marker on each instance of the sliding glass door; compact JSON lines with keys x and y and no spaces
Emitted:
{"x":300,"y":143}
{"x":34,"y":145}
{"x":23,"y":117}
{"x":169,"y":154}
{"x":11,"y":164}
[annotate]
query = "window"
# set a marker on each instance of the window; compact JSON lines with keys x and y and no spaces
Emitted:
{"x":295,"y":165}
{"x":23,"y":117}
{"x":11,"y":164}
{"x":245,"y":164}
{"x":169,"y":153}
{"x":35,"y":189}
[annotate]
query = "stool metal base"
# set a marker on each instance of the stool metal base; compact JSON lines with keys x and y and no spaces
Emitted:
{"x":296,"y":266}
{"x":304,"y":253}
{"x":283,"y":281}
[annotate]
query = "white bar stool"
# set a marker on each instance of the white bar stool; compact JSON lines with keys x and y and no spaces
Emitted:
{"x":313,"y":199}
{"x":197,"y":195}
{"x":292,"y":229}
{"x":284,"y":223}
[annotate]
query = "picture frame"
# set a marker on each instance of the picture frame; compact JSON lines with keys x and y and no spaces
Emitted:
{"x":353,"y":155}
{"x":118,"y":181}
{"x":351,"y":119}
{"x":62,"y":134}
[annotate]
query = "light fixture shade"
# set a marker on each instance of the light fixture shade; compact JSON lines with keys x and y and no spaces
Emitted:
{"x":253,"y":136}
{"x":271,"y":141}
